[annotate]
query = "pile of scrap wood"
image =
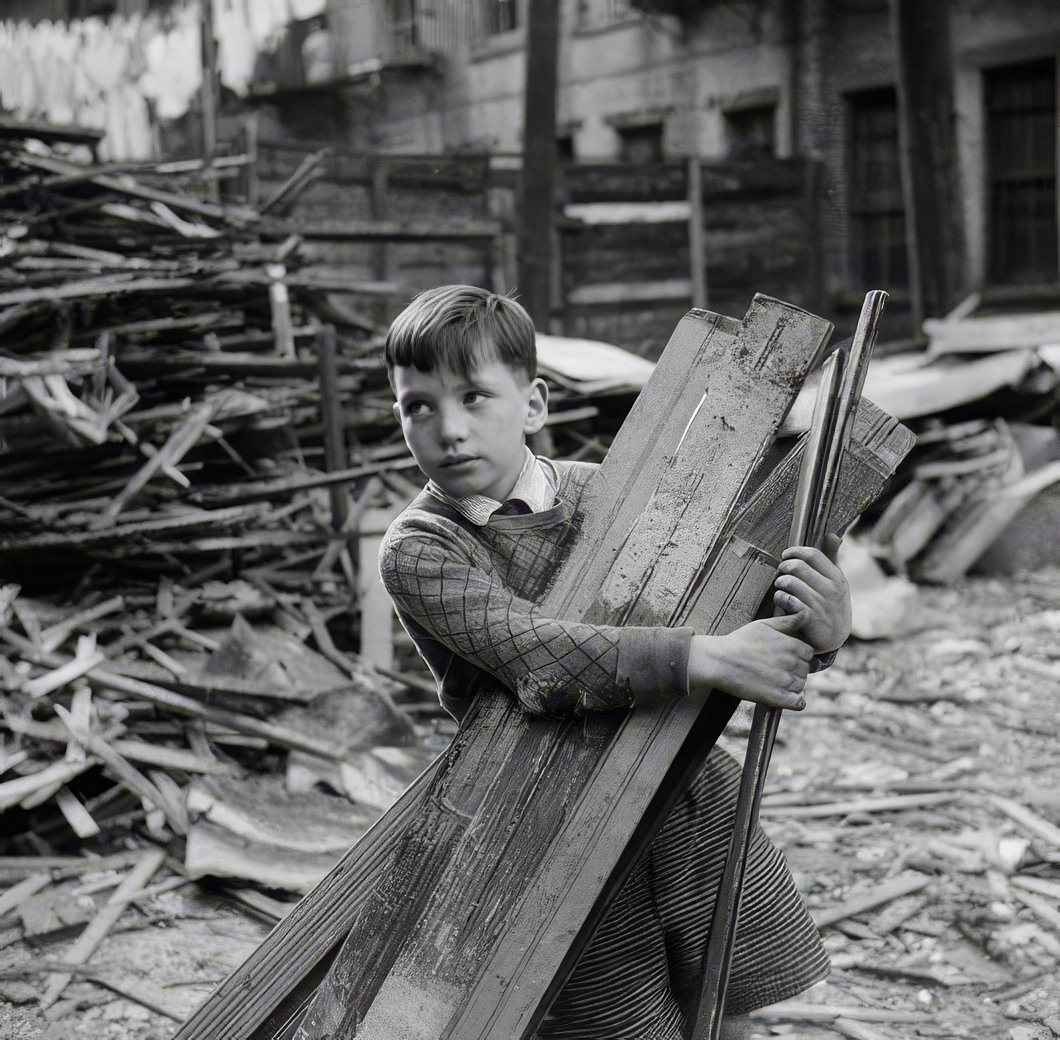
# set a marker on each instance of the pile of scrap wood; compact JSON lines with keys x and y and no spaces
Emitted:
{"x":983,"y":400}
{"x":187,"y":441}
{"x":192,"y":432}
{"x":981,"y":489}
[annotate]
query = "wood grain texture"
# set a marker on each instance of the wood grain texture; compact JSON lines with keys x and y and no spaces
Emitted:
{"x":434,"y":900}
{"x":502,"y":772}
{"x":653,"y":754}
{"x":275,"y":982}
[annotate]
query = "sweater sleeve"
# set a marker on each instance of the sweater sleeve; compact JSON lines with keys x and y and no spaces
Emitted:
{"x":554,"y":667}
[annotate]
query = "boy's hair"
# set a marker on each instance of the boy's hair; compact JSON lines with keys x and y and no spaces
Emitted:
{"x":458,"y":327}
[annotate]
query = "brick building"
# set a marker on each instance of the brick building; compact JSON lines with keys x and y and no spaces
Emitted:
{"x":931,"y":128}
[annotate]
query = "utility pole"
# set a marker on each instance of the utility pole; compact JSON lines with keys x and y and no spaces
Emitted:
{"x":928,"y":151}
{"x":539,"y":160}
{"x":208,"y":92}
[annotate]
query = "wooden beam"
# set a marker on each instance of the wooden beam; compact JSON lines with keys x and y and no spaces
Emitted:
{"x":476,"y":852}
{"x":539,"y":160}
{"x":336,"y":457}
{"x":284,"y":972}
{"x":652,"y":760}
{"x":697,"y":239}
{"x":417,"y":857}
{"x":928,"y":154}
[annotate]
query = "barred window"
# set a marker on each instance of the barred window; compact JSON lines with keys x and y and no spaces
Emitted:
{"x":876,"y":209}
{"x":1021,"y":131}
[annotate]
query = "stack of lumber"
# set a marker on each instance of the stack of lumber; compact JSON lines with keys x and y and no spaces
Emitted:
{"x":982,"y":488}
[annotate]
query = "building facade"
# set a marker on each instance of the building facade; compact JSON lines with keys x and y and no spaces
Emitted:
{"x":932,"y":127}
{"x":816,"y":79}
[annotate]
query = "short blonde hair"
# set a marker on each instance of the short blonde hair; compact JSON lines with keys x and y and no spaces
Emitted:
{"x":458,"y":327}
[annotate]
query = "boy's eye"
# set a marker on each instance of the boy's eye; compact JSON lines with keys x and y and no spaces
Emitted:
{"x":415,"y":409}
{"x":474,"y":396}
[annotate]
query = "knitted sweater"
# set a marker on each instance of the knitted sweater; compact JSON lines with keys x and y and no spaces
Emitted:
{"x":467,"y":596}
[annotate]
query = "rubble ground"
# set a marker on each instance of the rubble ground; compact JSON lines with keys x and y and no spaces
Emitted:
{"x":916,"y":800}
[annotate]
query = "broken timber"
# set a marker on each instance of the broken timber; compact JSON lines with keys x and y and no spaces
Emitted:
{"x":684,"y":463}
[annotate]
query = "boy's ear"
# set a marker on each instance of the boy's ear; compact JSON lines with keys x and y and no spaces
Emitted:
{"x":396,"y":408}
{"x":537,"y":406}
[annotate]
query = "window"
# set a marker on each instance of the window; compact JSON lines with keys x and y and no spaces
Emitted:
{"x":599,"y":13}
{"x":750,"y":132}
{"x":876,"y":210}
{"x":1021,"y":134}
{"x":641,"y":144}
{"x":501,"y":16}
{"x":77,"y":9}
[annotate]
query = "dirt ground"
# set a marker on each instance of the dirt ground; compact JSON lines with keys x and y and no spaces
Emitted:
{"x":957,"y":720}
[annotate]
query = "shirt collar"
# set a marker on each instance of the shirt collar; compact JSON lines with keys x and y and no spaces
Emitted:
{"x":535,"y":485}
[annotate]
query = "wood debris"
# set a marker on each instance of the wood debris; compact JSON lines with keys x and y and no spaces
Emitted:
{"x":195,"y":438}
{"x":172,"y":508}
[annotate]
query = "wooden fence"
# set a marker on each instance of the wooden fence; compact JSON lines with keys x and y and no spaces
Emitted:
{"x":635,"y":245}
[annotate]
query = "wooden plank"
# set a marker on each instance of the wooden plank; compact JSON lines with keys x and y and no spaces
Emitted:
{"x":697,"y":239}
{"x":238,"y":215}
{"x":281,"y":736}
{"x":895,"y":888}
{"x":612,"y":293}
{"x":496,"y":808}
{"x":108,"y":285}
{"x":308,"y":938}
{"x":284,"y":971}
{"x":664,"y":747}
{"x":928,"y":153}
{"x":50,"y":133}
{"x":536,"y":189}
{"x":388,"y":230}
{"x":104,"y":921}
{"x":282,"y":974}
{"x":336,"y":455}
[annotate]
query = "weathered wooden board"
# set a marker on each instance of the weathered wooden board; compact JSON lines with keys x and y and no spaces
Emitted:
{"x":643,"y":538}
{"x":270,"y":987}
{"x":282,"y":973}
{"x":511,"y":782}
{"x":653,"y":756}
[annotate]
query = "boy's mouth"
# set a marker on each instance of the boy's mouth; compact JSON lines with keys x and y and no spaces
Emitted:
{"x":458,"y":460}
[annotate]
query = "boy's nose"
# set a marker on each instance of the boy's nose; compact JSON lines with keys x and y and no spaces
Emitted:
{"x":452,"y":425}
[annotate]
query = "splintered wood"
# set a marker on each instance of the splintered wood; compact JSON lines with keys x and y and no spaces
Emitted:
{"x":686,"y":470}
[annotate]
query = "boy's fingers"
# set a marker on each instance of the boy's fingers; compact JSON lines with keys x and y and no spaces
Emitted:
{"x":817,"y":571}
{"x":801,"y":590}
{"x":792,"y":699}
{"x":793,"y":606}
{"x":832,"y":542}
{"x":786,"y":624}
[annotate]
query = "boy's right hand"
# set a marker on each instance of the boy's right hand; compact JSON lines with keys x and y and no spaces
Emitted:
{"x":764,"y":662}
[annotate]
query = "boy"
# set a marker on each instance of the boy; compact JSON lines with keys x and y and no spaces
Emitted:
{"x":465,"y":564}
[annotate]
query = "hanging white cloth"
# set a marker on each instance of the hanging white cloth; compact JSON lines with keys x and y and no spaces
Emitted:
{"x":113,"y":74}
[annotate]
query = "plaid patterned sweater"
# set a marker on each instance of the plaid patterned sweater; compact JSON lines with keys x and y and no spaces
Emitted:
{"x":467,"y":595}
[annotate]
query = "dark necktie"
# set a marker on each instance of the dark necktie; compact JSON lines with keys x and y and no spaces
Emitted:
{"x":513,"y":507}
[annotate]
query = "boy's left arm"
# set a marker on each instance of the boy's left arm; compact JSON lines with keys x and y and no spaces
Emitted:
{"x":810,"y":582}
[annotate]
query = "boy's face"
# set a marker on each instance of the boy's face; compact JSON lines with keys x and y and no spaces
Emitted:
{"x":468,"y":435}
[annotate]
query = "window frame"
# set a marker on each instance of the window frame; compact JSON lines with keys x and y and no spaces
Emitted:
{"x":868,"y":206}
{"x":999,"y":270}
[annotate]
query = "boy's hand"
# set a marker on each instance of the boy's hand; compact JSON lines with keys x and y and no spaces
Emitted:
{"x":810,"y":586}
{"x":764,"y":661}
